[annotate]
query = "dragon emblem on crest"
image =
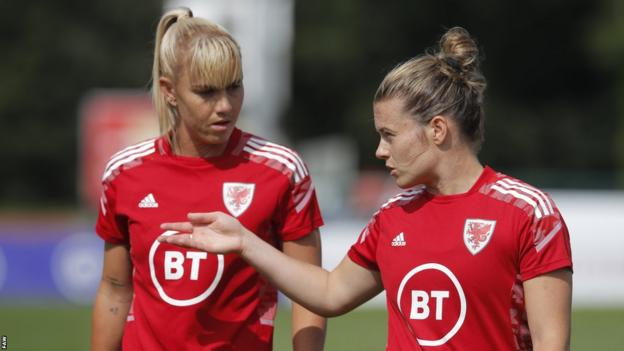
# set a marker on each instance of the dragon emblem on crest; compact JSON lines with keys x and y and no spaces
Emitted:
{"x":237,"y":197}
{"x":477,"y":234}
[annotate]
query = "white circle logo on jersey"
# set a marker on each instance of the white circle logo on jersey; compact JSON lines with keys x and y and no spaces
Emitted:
{"x":183,"y":277}
{"x":432,"y":301}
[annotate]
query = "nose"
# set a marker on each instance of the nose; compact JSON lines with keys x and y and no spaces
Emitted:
{"x":382,"y":152}
{"x":223,"y":105}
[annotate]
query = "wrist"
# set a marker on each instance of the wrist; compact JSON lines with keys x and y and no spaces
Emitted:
{"x":246,"y":243}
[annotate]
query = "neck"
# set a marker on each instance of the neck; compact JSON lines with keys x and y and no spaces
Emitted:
{"x":191,"y":148}
{"x":456,"y":174}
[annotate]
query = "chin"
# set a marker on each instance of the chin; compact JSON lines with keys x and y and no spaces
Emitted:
{"x":404,"y":183}
{"x":219,"y":137}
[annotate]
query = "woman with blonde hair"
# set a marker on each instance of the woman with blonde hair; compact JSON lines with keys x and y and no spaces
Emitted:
{"x":470,"y":258}
{"x":155,"y":296}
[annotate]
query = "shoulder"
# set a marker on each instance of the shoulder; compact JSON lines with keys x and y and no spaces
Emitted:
{"x":533,"y":201}
{"x":403,"y":199}
{"x":274,"y":156}
{"x":396,"y":202}
{"x":127,"y":157}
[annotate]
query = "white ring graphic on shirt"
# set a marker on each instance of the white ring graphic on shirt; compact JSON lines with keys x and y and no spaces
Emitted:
{"x":187,"y":302}
{"x":460,"y":291}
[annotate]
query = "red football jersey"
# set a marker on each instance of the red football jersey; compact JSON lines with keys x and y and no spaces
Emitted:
{"x":191,"y":300}
{"x":453,"y":266}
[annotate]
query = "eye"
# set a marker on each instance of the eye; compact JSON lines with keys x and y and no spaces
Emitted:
{"x":205,"y":91}
{"x":386,"y":135}
{"x":235,"y":86}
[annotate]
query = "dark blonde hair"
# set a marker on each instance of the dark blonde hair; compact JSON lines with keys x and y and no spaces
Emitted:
{"x":447,"y":81}
{"x":208,"y":52}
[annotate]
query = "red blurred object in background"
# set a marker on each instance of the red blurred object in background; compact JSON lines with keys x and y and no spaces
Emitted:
{"x":109,"y":121}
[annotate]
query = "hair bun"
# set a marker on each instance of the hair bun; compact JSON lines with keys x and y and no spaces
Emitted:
{"x":184,"y":13}
{"x":458,"y":50}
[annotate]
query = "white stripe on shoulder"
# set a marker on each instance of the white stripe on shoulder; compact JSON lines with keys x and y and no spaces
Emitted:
{"x":509,"y":184}
{"x":548,"y":237}
{"x":130,"y":150}
{"x":304,"y":201}
{"x":281,"y":152}
{"x":517,"y":195}
{"x":132,"y":147}
{"x":405,"y":196}
{"x":275,"y":157}
{"x":129,"y":158}
{"x":293,"y":155}
{"x":539,"y":193}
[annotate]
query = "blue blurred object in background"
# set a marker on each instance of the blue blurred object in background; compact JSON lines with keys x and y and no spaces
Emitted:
{"x":42,"y":265}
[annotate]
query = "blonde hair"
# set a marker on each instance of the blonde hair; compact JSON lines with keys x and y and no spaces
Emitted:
{"x":446,"y":81}
{"x":208,"y":52}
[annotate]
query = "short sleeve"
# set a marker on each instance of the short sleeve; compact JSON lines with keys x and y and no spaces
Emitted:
{"x":363,"y":251}
{"x":299,"y":211}
{"x":544,"y":245}
{"x":108,"y":226}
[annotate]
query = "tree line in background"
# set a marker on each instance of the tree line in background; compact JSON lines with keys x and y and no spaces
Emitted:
{"x":554,"y":102}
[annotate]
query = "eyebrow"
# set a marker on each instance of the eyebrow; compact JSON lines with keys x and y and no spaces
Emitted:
{"x":213,"y":87}
{"x":384,"y":129}
{"x":204,"y":87}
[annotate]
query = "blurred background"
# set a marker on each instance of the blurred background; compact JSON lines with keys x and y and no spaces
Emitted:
{"x":75,"y":79}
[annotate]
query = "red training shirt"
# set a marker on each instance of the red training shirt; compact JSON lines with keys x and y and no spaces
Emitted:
{"x":453,"y":266}
{"x":192,"y":300}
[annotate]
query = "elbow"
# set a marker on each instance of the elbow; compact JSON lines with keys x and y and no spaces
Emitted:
{"x":333,"y":313}
{"x":330,"y":309}
{"x":120,"y":290}
{"x":551,"y":341}
{"x":560,"y":344}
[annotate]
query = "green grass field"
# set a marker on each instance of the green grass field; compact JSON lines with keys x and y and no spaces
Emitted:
{"x":68,"y":328}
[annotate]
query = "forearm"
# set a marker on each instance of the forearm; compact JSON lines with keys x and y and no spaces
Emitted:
{"x":308,"y":329}
{"x":303,"y":282}
{"x":110,"y":311}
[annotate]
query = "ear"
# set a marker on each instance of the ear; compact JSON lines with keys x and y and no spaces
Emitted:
{"x":167,"y":88}
{"x":439,"y":129}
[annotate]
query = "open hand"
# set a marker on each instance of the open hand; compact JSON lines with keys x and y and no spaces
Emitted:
{"x":213,"y":232}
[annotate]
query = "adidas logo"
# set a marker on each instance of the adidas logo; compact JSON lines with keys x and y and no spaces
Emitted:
{"x":148,"y":202}
{"x":399,"y":240}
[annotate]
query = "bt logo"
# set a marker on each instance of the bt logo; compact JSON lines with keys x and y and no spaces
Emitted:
{"x":447,"y":307}
{"x":420,"y":303}
{"x":173,"y":266}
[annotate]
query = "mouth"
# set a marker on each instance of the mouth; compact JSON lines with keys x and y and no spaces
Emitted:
{"x":393,"y":172}
{"x":221,"y":125}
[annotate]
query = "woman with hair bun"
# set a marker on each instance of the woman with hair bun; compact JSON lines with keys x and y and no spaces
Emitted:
{"x":470,"y":259}
{"x":155,"y":296}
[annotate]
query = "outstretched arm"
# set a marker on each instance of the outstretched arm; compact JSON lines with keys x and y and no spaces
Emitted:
{"x":548,"y":303}
{"x":325,"y":293}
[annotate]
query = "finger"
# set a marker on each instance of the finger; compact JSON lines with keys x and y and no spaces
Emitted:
{"x":184,"y":227}
{"x":203,"y":218}
{"x":183,"y":240}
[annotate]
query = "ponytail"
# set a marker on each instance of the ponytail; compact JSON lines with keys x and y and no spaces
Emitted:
{"x":165,"y":112}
